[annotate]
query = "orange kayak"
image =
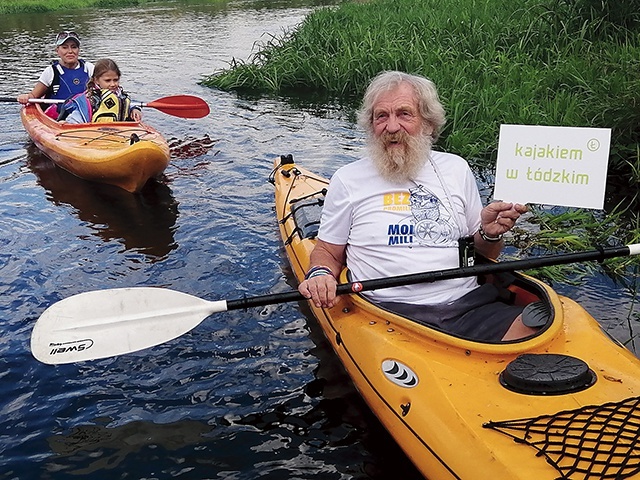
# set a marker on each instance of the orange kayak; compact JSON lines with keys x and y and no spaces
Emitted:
{"x":124,"y":154}
{"x":561,"y":404}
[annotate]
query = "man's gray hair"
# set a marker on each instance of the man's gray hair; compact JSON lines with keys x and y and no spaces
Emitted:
{"x":431,"y":109}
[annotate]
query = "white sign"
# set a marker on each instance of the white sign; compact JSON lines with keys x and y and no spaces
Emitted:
{"x":552,"y":165}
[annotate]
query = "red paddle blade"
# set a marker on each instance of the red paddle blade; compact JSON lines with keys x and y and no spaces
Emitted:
{"x":185,"y":106}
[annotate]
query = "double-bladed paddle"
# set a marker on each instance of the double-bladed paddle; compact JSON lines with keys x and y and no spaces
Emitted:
{"x":184,"y":106}
{"x":104,"y":323}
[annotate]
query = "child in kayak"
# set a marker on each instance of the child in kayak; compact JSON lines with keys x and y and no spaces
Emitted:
{"x":103,"y":100}
{"x":64,"y":77}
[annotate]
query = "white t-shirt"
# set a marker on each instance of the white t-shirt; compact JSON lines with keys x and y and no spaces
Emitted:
{"x":392,"y":229}
{"x":46,"y":77}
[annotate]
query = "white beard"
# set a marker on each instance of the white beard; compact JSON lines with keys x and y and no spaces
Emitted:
{"x":397,"y":165}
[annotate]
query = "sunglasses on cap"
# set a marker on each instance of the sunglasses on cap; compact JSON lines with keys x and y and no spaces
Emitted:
{"x":64,"y":36}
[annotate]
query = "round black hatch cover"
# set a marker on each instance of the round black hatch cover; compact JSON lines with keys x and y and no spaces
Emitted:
{"x":547,"y":374}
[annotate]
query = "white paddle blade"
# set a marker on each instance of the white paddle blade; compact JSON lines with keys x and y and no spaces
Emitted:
{"x":104,"y":323}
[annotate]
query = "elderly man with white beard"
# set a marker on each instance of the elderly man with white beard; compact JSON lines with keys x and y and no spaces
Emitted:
{"x":404,"y":208}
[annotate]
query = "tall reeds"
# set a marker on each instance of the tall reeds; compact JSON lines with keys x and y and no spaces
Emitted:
{"x":544,"y":62}
{"x":537,"y":62}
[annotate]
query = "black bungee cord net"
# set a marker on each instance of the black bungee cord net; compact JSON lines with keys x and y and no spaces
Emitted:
{"x":592,"y":442}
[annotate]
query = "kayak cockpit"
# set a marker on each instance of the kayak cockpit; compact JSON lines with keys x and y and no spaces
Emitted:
{"x":514,"y":288}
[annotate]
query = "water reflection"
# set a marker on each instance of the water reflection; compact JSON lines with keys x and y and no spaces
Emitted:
{"x":144,"y":222}
{"x":104,"y":448}
{"x":191,"y":147}
{"x":291,"y":440}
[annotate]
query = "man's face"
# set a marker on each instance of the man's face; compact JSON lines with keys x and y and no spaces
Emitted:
{"x":397,"y":112}
{"x":401,"y":140}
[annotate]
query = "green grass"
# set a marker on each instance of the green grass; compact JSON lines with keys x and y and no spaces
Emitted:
{"x":41,"y":6}
{"x":550,"y":230}
{"x":537,"y":62}
{"x":542,"y":62}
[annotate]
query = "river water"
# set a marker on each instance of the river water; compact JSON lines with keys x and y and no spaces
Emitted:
{"x":246,"y":394}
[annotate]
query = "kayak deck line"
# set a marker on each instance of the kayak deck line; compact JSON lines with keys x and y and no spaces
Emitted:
{"x":444,"y":418}
{"x":119,"y":136}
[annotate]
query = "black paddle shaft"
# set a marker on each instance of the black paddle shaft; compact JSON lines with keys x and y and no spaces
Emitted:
{"x":426,"y":277}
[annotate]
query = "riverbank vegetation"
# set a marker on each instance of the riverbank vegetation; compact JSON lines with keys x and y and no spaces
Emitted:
{"x":535,"y":62}
{"x":546,"y":62}
{"x":39,"y":6}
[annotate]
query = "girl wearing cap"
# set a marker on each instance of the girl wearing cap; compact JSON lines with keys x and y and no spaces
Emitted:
{"x":64,"y":77}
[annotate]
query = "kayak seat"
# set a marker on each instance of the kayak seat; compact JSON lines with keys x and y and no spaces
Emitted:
{"x":515,"y":290}
{"x":502,"y":281}
{"x":536,"y":314}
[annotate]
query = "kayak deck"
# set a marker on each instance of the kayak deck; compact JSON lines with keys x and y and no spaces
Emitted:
{"x":454,"y":405}
{"x":124,"y":154}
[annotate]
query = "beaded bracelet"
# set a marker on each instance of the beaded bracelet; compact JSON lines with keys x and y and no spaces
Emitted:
{"x":317,"y":271}
{"x":487,"y":238}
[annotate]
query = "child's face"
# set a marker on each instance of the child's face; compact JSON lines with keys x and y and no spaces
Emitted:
{"x":109,"y":79}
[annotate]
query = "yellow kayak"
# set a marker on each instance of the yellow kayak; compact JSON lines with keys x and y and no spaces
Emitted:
{"x":563,"y":404}
{"x":124,"y":154}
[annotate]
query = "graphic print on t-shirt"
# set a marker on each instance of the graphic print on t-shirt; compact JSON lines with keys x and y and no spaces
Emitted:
{"x":430,"y":223}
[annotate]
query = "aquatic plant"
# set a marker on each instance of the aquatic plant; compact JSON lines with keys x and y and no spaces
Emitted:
{"x":544,"y":62}
{"x":541,"y":62}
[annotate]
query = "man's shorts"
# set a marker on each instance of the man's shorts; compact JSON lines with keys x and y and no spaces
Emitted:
{"x":479,"y":315}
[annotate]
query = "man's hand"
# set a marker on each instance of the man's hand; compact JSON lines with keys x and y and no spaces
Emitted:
{"x":320,"y":289}
{"x":319,"y":285}
{"x":498,"y":218}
